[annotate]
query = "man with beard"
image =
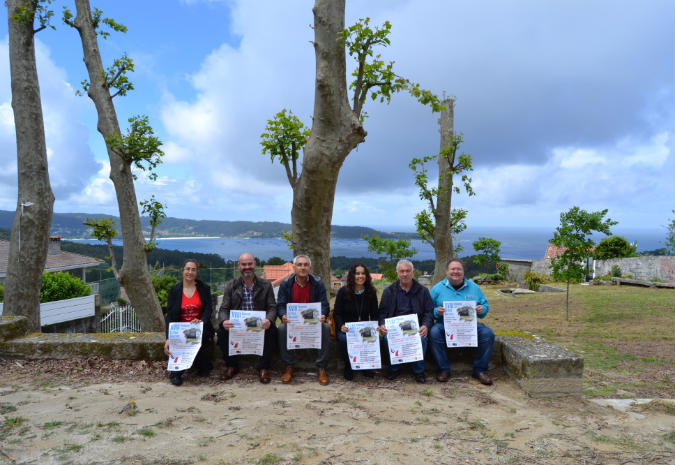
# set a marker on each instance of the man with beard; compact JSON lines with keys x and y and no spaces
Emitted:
{"x":247,"y":292}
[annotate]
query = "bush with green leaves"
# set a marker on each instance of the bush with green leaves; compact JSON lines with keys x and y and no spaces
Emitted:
{"x":163,"y":285}
{"x":2,"y":293}
{"x":614,"y":247}
{"x":616,"y":271}
{"x":534,"y":280}
{"x":61,"y":286}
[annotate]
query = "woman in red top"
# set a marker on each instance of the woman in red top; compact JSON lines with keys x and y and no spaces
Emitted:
{"x":189,"y":301}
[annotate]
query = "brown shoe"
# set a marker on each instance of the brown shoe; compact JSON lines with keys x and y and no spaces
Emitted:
{"x":264,"y":376}
{"x":229,"y":373}
{"x":443,"y":377}
{"x":483,"y":378}
{"x":323,"y":377}
{"x":287,"y":375}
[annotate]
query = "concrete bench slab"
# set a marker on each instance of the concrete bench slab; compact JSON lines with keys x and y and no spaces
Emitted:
{"x":543,"y":369}
{"x":12,"y":327}
{"x":114,"y":346}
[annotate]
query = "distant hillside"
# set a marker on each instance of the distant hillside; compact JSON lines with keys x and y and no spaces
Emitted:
{"x":69,"y":225}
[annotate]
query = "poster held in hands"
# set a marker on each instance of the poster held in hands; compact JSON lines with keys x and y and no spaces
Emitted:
{"x":363,"y":345}
{"x":185,"y":339}
{"x":247,"y":337}
{"x":459,"y":321}
{"x":304,"y":326}
{"x":403,"y":339}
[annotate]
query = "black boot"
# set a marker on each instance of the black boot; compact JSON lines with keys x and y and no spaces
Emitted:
{"x":176,"y":378}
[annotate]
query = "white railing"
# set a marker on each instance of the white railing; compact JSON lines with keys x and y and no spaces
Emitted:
{"x":65,"y":310}
{"x":120,"y":320}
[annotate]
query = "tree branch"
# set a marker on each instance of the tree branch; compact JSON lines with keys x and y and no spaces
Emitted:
{"x":113,"y":261}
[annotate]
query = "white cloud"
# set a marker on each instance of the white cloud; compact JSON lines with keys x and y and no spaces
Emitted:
{"x":70,"y":160}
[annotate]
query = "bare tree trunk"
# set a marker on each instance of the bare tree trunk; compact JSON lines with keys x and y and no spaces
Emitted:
{"x":33,"y":217}
{"x":336,"y":131}
{"x":134,"y":274}
{"x":442,"y":233}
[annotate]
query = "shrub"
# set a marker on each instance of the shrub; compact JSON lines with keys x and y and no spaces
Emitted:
{"x":614,"y":247}
{"x":534,"y":280}
{"x":503,"y":270}
{"x":60,"y":286}
{"x":163,"y":285}
{"x":616,"y":271}
{"x":2,"y":293}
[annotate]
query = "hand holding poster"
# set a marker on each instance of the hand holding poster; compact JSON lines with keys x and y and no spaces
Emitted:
{"x":247,"y":336}
{"x":304,"y":326}
{"x":459,"y":320}
{"x":185,"y":339}
{"x":403,"y":339}
{"x":363,"y":345}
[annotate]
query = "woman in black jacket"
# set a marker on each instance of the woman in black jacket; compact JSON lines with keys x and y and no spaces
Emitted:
{"x":189,"y":301}
{"x":357,"y":301}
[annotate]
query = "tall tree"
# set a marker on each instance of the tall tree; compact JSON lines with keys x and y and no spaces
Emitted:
{"x":670,"y":237}
{"x":138,"y":148}
{"x":392,"y":250}
{"x":437,"y":224}
{"x":574,"y":237}
{"x":35,"y":200}
{"x":337,"y":127}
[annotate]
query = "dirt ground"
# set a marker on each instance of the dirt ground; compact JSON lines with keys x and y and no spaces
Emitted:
{"x":120,"y":412}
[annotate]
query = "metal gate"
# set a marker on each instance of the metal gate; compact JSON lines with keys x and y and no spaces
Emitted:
{"x":120,"y":320}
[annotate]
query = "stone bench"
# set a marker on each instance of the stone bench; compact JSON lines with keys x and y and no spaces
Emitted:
{"x":539,"y":368}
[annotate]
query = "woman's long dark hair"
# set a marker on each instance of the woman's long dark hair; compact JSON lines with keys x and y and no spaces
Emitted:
{"x":351,"y":284}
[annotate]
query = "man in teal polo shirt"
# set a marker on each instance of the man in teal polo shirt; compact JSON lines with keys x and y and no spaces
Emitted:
{"x":454,"y":287}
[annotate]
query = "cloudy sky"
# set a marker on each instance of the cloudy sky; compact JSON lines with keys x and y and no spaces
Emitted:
{"x":561,"y":103}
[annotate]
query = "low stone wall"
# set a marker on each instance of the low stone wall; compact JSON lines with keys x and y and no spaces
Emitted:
{"x":542,"y":370}
{"x":646,"y":268}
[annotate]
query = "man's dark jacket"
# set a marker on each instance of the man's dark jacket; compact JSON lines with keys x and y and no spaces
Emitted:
{"x":174,"y":301}
{"x":420,"y":302}
{"x":317,"y":293}
{"x":263,"y":299}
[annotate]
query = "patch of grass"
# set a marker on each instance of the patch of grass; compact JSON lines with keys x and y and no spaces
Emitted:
{"x":72,"y":448}
{"x":427,"y":392}
{"x":437,"y":446}
{"x":119,"y":439}
{"x":9,"y":408}
{"x":268,"y":459}
{"x":146,"y":432}
{"x":623,"y":442}
{"x":13,"y":422}
{"x":52,"y":424}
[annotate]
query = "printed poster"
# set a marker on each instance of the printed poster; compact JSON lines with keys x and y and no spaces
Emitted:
{"x":403,"y":338}
{"x":185,"y":339}
{"x":460,"y":321}
{"x":247,"y":336}
{"x":363,"y":345}
{"x":304,"y":326}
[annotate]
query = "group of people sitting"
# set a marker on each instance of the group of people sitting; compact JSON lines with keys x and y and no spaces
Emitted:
{"x":190,"y":301}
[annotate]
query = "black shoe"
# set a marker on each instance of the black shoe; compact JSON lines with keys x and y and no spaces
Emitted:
{"x":420,"y":378}
{"x":368,"y":373}
{"x":348,"y":373}
{"x":392,"y":375}
{"x":175,"y":378}
{"x":443,"y":377}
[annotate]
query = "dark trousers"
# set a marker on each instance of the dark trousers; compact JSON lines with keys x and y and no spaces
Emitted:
{"x":232,"y":360}
{"x":287,"y":355}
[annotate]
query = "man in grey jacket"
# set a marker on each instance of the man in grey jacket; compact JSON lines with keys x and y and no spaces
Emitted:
{"x":248,"y":292}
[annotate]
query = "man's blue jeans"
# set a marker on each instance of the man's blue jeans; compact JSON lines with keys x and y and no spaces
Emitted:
{"x":486,"y":341}
{"x":417,"y":367}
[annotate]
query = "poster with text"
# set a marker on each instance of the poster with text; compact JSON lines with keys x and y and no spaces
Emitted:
{"x":304,"y":326}
{"x":185,"y":339}
{"x":247,"y":337}
{"x":363,"y":345}
{"x":403,"y":339}
{"x":460,"y":321}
